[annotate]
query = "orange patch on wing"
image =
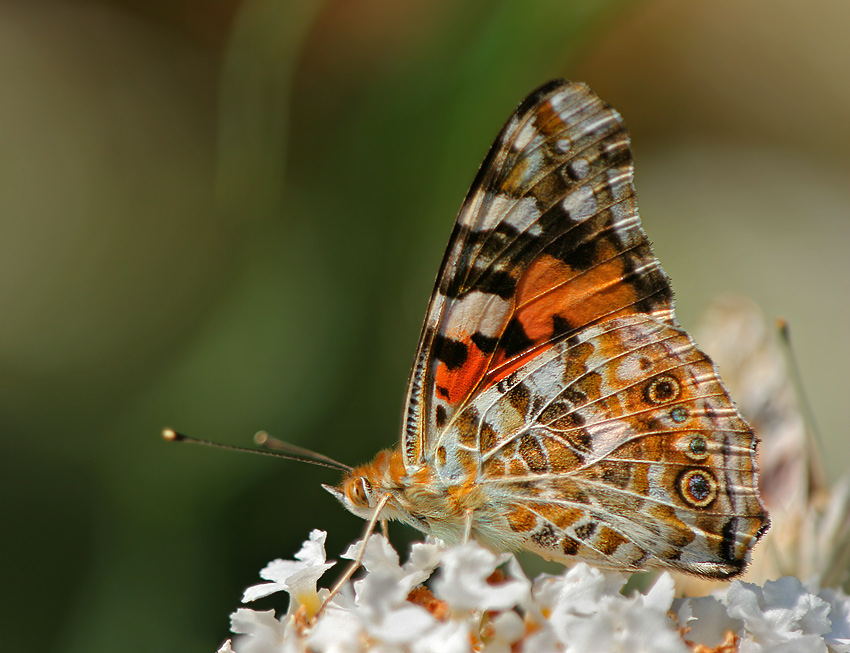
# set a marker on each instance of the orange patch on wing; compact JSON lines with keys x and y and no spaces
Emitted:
{"x":677,"y":532}
{"x":607,"y":540}
{"x":549,"y":119}
{"x":493,"y":468}
{"x":489,"y":438}
{"x":455,"y":385}
{"x":516,"y":468}
{"x":521,"y":519}
{"x":551,"y":287}
{"x":502,"y":368}
{"x":561,"y":458}
{"x":561,"y":516}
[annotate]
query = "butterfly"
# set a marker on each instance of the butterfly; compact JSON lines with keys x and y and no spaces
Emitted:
{"x":555,"y":403}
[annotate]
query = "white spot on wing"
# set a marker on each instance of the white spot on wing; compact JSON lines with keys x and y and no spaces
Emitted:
{"x":581,"y":203}
{"x":525,"y":136}
{"x":521,"y":214}
{"x":607,"y":435}
{"x":470,"y":210}
{"x":572,"y":110}
{"x":477,"y":311}
{"x":578,"y":168}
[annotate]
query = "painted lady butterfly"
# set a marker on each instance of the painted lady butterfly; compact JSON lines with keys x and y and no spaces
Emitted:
{"x":555,"y":403}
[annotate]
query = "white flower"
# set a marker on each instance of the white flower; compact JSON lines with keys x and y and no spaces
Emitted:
{"x":381,"y":556}
{"x":337,"y":631}
{"x":463,"y":580}
{"x":706,"y":620}
{"x":581,"y":610}
{"x":261,"y":632}
{"x":378,"y":613}
{"x":449,"y":637}
{"x":780,"y":613}
{"x":385,"y":612}
{"x":297,"y":578}
{"x":508,"y":628}
{"x":578,"y":590}
{"x":590,"y":615}
{"x":838,"y":638}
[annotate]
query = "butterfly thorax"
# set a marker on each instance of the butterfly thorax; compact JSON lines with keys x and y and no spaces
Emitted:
{"x":417,"y":496}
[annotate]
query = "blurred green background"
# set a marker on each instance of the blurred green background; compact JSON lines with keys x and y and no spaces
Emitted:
{"x":226,"y":216}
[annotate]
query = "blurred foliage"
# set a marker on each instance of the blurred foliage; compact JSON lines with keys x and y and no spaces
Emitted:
{"x":226,"y":217}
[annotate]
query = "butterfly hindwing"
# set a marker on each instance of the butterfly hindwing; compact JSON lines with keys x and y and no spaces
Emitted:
{"x":548,"y":242}
{"x":618,"y":446}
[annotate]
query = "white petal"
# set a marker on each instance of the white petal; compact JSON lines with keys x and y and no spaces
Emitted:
{"x":336,"y":631}
{"x":660,"y":595}
{"x":378,"y":593}
{"x":252,"y":622}
{"x":838,"y":638}
{"x":707,"y":619}
{"x":424,"y":558}
{"x":463,"y":581}
{"x":448,"y":637}
{"x":781,"y":612}
{"x":404,"y":625}
{"x":380,"y":554}
{"x":313,"y":550}
{"x":259,"y":591}
{"x":304,"y":581}
{"x":261,"y":631}
{"x":279,"y":570}
{"x":508,"y":627}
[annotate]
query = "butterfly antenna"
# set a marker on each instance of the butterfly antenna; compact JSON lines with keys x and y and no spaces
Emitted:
{"x":288,"y":451}
{"x":265,"y":440}
{"x":816,"y":474}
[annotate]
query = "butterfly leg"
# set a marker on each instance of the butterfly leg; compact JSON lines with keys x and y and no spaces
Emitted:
{"x":467,"y":529}
{"x":355,"y":565}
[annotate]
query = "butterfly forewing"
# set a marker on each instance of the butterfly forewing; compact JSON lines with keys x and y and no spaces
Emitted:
{"x":547,"y":243}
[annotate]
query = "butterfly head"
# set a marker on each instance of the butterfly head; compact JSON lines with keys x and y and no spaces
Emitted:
{"x":362,"y":489}
{"x":357,"y":494}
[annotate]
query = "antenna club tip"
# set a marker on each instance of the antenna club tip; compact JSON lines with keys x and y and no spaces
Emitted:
{"x":261,"y":437}
{"x":171,"y":435}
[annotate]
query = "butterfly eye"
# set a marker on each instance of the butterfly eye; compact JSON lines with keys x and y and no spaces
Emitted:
{"x":358,"y":491}
{"x":661,"y":389}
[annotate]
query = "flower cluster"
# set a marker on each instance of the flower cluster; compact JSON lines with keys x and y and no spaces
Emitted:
{"x":480,"y":601}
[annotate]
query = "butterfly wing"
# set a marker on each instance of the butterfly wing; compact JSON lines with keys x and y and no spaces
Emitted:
{"x":619,"y":446}
{"x":552,"y":373}
{"x":547,"y":243}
